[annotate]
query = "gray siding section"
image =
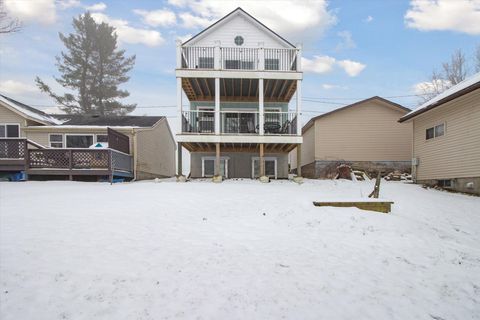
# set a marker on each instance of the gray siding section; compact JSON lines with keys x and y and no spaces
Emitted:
{"x":239,"y":163}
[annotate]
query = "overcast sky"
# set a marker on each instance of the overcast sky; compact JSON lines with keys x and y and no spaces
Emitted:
{"x":352,"y":49}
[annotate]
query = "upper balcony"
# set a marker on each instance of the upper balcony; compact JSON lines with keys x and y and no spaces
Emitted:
{"x":268,"y":60}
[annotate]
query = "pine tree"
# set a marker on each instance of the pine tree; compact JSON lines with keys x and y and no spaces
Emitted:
{"x":93,"y":68}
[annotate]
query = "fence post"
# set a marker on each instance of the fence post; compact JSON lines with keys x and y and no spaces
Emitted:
{"x":27,"y":160}
{"x":216,"y":56}
{"x":110,"y":166}
{"x":261,"y":56}
{"x":70,"y":164}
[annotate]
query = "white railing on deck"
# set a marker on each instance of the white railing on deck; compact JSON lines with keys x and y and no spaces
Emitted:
{"x":231,"y":58}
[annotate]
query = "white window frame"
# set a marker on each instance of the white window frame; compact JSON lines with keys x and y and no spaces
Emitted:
{"x":434,"y":131}
{"x":56,"y":134}
{"x":78,"y":134}
{"x":226,"y":159}
{"x":265,"y":159}
{"x":11,"y":124}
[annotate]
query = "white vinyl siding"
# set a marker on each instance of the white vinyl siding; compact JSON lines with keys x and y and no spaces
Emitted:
{"x":238,"y":26}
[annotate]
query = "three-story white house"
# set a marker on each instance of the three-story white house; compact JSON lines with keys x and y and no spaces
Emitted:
{"x":243,"y":84}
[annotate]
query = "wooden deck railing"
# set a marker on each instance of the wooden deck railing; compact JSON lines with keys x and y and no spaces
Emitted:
{"x":76,"y":159}
{"x":13,"y":148}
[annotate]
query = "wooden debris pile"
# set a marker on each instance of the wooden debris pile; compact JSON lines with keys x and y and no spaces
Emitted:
{"x":398,"y":176}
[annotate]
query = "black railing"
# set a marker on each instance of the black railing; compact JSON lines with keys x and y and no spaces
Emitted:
{"x":196,"y":121}
{"x":238,"y":122}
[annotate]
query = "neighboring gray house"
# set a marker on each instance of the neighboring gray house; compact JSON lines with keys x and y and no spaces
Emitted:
{"x":140,"y":147}
{"x":239,"y":77}
{"x":446,"y":138}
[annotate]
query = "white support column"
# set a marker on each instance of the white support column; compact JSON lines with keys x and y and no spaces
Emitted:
{"x":299,"y":57}
{"x":299,"y":107}
{"x":179,"y":103}
{"x":179,"y":54}
{"x":217,"y":106}
{"x":261,"y":56}
{"x":261,"y":117}
{"x":217,"y":61}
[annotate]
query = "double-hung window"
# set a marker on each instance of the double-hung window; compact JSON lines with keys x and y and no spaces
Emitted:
{"x":9,"y":130}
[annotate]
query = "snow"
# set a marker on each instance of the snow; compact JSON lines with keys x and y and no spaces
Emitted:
{"x":29,"y":113}
{"x":456,"y":88}
{"x":235,"y":250}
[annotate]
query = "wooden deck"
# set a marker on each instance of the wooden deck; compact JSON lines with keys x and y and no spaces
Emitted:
{"x":16,"y":156}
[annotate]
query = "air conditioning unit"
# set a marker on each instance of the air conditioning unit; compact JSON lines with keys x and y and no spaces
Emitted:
{"x":415,"y":161}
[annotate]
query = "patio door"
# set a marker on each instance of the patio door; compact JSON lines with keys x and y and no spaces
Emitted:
{"x":208,"y":167}
{"x":270,"y":167}
{"x":206,"y":119}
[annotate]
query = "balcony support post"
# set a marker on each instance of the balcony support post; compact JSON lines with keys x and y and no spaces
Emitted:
{"x":217,"y":106}
{"x":179,"y":160}
{"x":299,"y":160}
{"x":179,"y":53}
{"x":179,"y":103}
{"x":261,"y":115}
{"x":299,"y":107}
{"x":262,"y":161}
{"x":217,"y":159}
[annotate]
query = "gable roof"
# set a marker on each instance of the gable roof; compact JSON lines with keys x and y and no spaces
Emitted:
{"x":230,"y":16}
{"x":28,"y":112}
{"x":110,"y":121}
{"x":393,"y":104}
{"x":458,"y":90}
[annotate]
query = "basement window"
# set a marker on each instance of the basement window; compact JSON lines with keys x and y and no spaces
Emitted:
{"x":435,"y":132}
{"x":445,"y":183}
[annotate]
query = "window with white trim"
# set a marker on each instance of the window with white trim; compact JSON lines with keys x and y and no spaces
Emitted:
{"x":9,"y":130}
{"x":435,"y":132}
{"x":55,"y":140}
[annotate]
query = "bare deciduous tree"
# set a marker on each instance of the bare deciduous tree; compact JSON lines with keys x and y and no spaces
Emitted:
{"x":7,"y":23}
{"x":455,"y":71}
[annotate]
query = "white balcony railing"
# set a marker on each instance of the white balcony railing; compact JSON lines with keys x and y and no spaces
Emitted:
{"x":240,"y":122}
{"x":226,"y":58}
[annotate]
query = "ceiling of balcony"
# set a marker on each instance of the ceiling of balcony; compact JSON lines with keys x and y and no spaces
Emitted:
{"x":238,"y":147}
{"x":203,"y":89}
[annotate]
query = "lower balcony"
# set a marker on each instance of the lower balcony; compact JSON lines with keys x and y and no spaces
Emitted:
{"x":239,"y":123}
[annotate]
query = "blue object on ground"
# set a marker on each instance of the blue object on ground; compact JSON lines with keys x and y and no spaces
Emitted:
{"x":18,"y":176}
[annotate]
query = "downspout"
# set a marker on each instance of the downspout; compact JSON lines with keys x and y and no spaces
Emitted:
{"x":414,"y":166}
{"x":134,"y":134}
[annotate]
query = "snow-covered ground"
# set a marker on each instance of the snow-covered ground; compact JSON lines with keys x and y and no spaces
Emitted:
{"x":236,"y":250}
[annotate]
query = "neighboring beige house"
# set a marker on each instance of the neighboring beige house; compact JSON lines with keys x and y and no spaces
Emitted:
{"x":144,"y":147}
{"x":446,"y":138}
{"x":365,"y":135}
